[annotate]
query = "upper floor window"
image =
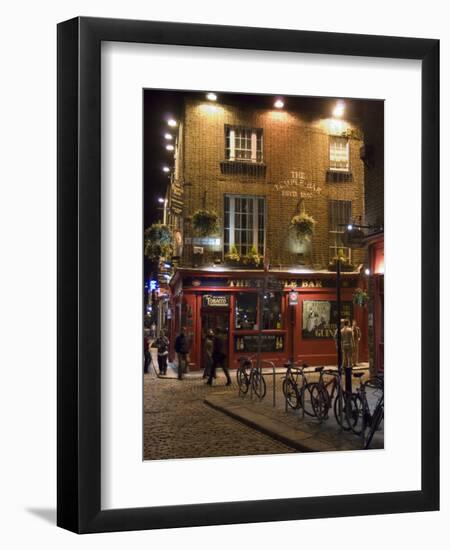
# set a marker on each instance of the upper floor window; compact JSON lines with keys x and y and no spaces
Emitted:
{"x":340,"y":214}
{"x":243,"y":144}
{"x":339,"y":154}
{"x":244,"y":224}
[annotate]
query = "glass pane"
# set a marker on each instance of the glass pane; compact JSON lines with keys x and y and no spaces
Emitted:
{"x":246,"y":311}
{"x":272,"y":311}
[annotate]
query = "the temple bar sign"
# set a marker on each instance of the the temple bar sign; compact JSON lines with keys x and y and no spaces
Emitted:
{"x":212,"y":300}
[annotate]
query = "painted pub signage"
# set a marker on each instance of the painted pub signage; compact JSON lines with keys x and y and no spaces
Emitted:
{"x":216,"y":300}
{"x":249,"y":343}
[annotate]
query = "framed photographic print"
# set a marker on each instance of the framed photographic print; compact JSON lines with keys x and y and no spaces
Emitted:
{"x":248,"y":259}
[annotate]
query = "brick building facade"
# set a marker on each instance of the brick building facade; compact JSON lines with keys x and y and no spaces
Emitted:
{"x":257,"y":168}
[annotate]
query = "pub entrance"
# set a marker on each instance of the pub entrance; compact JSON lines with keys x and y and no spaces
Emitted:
{"x":215,"y":320}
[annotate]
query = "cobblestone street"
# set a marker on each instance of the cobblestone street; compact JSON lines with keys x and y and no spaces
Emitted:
{"x":177,"y":423}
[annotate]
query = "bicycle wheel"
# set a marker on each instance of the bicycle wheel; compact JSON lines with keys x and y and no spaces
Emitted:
{"x":320,"y":401}
{"x":355,"y":414}
{"x":377,"y":418}
{"x":306,"y":399}
{"x":242,"y":380}
{"x":351,"y":409}
{"x":258,"y":384}
{"x":291,"y":393}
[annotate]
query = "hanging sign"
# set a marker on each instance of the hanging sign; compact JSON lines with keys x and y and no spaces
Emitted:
{"x":293,"y":298}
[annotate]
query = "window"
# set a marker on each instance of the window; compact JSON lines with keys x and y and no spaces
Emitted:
{"x":340,"y":214}
{"x":243,"y":144}
{"x":244,"y":224}
{"x":272,"y":311}
{"x":339,"y":154}
{"x":246,"y":311}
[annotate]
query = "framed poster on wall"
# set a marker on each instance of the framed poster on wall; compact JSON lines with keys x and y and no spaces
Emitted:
{"x":104,"y":68}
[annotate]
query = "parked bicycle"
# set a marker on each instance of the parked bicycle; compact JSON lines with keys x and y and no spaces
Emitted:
{"x":327,"y":393}
{"x":248,"y":375}
{"x":368,"y":414}
{"x":297,"y":389}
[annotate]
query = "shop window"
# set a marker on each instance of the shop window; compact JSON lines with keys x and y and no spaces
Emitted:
{"x":272,"y":311}
{"x":244,"y":224}
{"x":340,"y":215}
{"x":246,"y":311}
{"x":243,"y":144}
{"x":339,"y":154}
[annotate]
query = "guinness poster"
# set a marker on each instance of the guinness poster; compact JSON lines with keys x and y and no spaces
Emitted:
{"x":320,"y":317}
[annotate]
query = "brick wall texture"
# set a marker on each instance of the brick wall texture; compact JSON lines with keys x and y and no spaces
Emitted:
{"x":296,"y":156}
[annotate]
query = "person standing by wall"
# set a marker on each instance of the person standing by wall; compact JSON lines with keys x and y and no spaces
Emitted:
{"x":208,"y":352}
{"x":218,"y":358}
{"x":348,"y":344}
{"x":147,"y":354}
{"x":356,"y":338}
{"x":182,"y":350}
{"x":162,"y":343}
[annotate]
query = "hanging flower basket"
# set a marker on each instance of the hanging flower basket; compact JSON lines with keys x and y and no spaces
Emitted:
{"x":205,"y":222}
{"x":345,"y":263}
{"x":157,"y":241}
{"x":303,"y":225}
{"x":252,"y":259}
{"x":360,"y":297}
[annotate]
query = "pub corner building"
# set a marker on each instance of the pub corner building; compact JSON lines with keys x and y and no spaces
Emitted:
{"x":264,"y":197}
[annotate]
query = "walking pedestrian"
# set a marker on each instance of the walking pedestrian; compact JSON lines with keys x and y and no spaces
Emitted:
{"x":208,"y":352}
{"x":182,"y":350}
{"x":218,"y":357}
{"x":147,"y":354}
{"x":162,"y":343}
{"x":347,"y":343}
{"x":356,"y":338}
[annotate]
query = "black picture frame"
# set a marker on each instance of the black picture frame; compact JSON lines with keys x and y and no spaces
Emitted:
{"x":79,"y":279}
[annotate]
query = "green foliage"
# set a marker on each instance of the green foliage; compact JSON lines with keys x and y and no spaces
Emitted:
{"x":303,"y":225}
{"x":253,"y":257}
{"x":205,"y":222}
{"x":353,"y":133}
{"x":157,"y":241}
{"x":360,"y":297}
{"x":233,"y":254}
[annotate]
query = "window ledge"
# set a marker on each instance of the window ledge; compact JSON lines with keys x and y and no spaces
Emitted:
{"x":243,"y":167}
{"x":338,"y":176}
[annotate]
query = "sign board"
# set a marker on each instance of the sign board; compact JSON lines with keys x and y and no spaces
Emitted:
{"x":216,"y":300}
{"x":248,"y":343}
{"x":320,"y":318}
{"x":293,"y":298}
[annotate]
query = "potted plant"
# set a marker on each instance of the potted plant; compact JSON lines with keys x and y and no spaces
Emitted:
{"x":253,"y":259}
{"x":360,"y":297}
{"x":303,"y":226}
{"x":157,"y":241}
{"x":233,"y":258}
{"x":346,"y":265}
{"x":205,"y":222}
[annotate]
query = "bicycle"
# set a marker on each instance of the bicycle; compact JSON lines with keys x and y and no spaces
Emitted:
{"x":322,"y":399}
{"x":248,"y":375}
{"x":365,"y":422}
{"x":296,"y":388}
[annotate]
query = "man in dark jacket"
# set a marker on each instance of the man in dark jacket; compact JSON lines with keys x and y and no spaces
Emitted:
{"x":182,"y":350}
{"x":218,"y":357}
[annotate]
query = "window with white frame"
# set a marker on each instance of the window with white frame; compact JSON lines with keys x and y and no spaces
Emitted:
{"x":339,"y":154}
{"x":244,"y":223}
{"x":243,"y":144}
{"x":340,"y":215}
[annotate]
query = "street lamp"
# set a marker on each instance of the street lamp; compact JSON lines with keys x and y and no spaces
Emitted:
{"x":339,"y":109}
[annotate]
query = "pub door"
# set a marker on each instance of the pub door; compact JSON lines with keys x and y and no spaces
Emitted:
{"x":215,"y":320}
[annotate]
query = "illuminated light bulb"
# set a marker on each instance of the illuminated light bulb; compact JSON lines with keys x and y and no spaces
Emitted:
{"x":168,"y":136}
{"x":170,"y":147}
{"x":171,"y":122}
{"x":211,"y":96}
{"x":279,"y":104}
{"x":339,"y":109}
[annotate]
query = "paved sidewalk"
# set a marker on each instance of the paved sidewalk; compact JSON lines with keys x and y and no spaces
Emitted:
{"x":303,"y":433}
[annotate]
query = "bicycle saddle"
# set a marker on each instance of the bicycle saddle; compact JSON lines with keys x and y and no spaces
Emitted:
{"x":319,"y":369}
{"x":358,"y":374}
